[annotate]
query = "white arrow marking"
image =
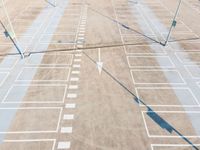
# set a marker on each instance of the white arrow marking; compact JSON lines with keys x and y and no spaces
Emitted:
{"x":99,"y":63}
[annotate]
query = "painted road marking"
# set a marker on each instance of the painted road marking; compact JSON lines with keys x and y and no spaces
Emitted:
{"x":73,"y":87}
{"x":68,"y":117}
{"x":75,"y":72}
{"x":70,"y":105}
{"x":3,"y":76}
{"x":77,"y":60}
{"x":76,"y":66}
{"x":74,"y":79}
{"x":66,"y":130}
{"x":64,"y":145}
{"x":71,"y":95}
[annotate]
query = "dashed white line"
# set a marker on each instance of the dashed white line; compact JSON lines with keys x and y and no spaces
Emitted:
{"x":76,"y":66}
{"x":75,"y":72}
{"x":70,"y":105}
{"x":74,"y":79}
{"x":77,"y":60}
{"x":68,"y":117}
{"x":66,"y":130}
{"x":73,"y":87}
{"x":71,"y":95}
{"x":64,"y":145}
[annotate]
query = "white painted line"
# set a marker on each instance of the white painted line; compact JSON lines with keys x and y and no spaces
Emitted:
{"x":186,"y":92}
{"x":79,"y":50}
{"x":66,"y":130}
{"x":24,"y":74}
{"x":175,"y":114}
{"x":80,"y":42}
{"x":12,"y":97}
{"x":30,"y":110}
{"x":68,"y":117}
{"x":73,"y":87}
{"x":77,"y":60}
{"x":8,"y":65}
{"x":70,"y":105}
{"x":71,"y":95}
{"x":74,"y":79}
{"x":174,"y":74}
{"x":75,"y":72}
{"x":26,"y":142}
{"x":173,"y":146}
{"x":76,"y":66}
{"x":3,"y":77}
{"x":164,"y":62}
{"x":64,"y":145}
{"x":81,"y":34}
{"x":81,"y":38}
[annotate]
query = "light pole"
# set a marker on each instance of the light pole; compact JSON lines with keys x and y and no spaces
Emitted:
{"x":7,"y":33}
{"x":173,"y":25}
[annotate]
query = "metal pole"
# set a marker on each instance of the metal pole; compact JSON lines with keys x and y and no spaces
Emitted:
{"x":7,"y":33}
{"x":173,"y":23}
{"x":8,"y":18}
{"x":12,"y":30}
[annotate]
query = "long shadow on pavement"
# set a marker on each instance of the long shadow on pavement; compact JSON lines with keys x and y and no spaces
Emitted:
{"x":151,"y":113}
{"x":106,"y":45}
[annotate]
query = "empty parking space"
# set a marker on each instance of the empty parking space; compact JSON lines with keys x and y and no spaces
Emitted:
{"x":160,"y":96}
{"x":36,"y":94}
{"x":3,"y":76}
{"x":56,"y":59}
{"x":156,"y":77}
{"x":44,"y":74}
{"x":174,"y":146}
{"x":143,"y":49}
{"x":188,"y":57}
{"x":33,"y":120}
{"x":150,"y":62}
{"x":28,"y":144}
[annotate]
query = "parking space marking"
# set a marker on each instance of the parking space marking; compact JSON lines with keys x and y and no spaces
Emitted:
{"x":164,"y":62}
{"x":74,"y":79}
{"x":66,"y":130}
{"x":137,"y":50}
{"x":26,"y":76}
{"x":36,"y":130}
{"x":70,"y":105}
{"x":184,"y":57}
{"x":173,"y":146}
{"x":51,"y":60}
{"x":187,"y":92}
{"x":13,"y":96}
{"x":63,"y":145}
{"x":68,"y":117}
{"x":71,"y":95}
{"x":73,"y":87}
{"x":163,"y":129}
{"x":76,"y":66}
{"x":174,"y":75}
{"x":193,"y":70}
{"x":75,"y":72}
{"x":8,"y":64}
{"x":3,"y":77}
{"x":28,"y":141}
